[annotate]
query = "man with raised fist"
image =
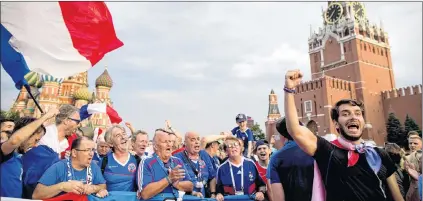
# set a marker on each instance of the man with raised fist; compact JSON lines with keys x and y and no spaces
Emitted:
{"x":353,"y":170}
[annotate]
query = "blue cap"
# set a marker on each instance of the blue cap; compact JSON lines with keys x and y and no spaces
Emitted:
{"x":261,"y":142}
{"x":240,"y":118}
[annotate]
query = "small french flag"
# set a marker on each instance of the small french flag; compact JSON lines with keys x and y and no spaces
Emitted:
{"x":95,"y":108}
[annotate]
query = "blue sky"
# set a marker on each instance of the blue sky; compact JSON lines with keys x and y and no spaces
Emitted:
{"x":200,"y":64}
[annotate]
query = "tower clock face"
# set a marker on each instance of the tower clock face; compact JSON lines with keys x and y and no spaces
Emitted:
{"x":333,"y":13}
{"x":360,"y":12}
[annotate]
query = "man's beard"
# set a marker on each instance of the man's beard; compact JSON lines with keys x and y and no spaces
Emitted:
{"x":347,"y":137}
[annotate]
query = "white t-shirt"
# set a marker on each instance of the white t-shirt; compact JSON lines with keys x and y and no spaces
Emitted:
{"x":51,"y":139}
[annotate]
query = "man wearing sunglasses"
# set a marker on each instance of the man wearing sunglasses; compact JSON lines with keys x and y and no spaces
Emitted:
{"x":66,"y":123}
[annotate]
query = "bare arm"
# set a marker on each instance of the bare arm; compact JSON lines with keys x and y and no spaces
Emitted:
{"x":44,"y":192}
{"x":269,"y":190}
{"x":393,"y":186}
{"x":185,"y":186}
{"x":154,"y":188}
{"x":250,"y":148}
{"x":277,"y":192}
{"x":305,"y":139}
{"x":213,"y":185}
{"x":25,"y":132}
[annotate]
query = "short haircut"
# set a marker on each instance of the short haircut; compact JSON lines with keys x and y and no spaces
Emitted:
{"x":136,"y":133}
{"x":413,"y":134}
{"x":65,"y":111}
{"x":24,"y":121}
{"x":334,"y":113}
{"x":76,"y":143}
{"x":2,"y":120}
{"x":108,"y":134}
{"x":231,"y":138}
{"x":211,"y":143}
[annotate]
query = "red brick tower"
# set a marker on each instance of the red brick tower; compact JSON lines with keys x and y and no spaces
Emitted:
{"x":349,"y":58}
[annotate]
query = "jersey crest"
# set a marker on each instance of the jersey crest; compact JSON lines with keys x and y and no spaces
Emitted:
{"x":132,"y":167}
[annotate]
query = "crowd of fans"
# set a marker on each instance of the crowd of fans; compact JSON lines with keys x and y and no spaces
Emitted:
{"x":40,"y":161}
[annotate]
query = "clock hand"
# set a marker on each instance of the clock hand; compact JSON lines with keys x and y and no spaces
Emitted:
{"x":332,"y":14}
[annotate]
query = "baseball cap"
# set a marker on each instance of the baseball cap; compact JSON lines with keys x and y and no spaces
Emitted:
{"x":240,"y":118}
{"x":261,"y":142}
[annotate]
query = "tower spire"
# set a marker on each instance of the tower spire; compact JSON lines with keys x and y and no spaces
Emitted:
{"x":273,"y":112}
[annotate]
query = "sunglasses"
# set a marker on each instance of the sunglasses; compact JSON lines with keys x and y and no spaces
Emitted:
{"x":77,"y":121}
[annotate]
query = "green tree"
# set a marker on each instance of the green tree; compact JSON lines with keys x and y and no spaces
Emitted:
{"x":395,"y":130}
{"x":257,"y":132}
{"x":410,"y":125}
{"x":9,"y":115}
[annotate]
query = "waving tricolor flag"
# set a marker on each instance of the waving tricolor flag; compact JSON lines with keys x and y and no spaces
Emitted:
{"x":56,"y":38}
{"x":96,"y":108}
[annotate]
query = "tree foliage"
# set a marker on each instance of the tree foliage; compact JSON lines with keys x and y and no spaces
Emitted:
{"x":395,"y":130}
{"x":9,"y":115}
{"x":257,"y":132}
{"x":410,"y":125}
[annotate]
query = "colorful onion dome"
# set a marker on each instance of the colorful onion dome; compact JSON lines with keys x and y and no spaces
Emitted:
{"x":83,"y":94}
{"x":104,"y":80}
{"x":49,"y":78}
{"x":32,"y":78}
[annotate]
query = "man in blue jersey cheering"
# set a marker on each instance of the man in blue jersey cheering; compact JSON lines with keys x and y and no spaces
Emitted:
{"x":244,"y":133}
{"x":238,"y":175}
{"x":161,"y":172}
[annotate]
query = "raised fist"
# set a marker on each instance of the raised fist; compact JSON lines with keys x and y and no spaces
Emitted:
{"x":293,"y":78}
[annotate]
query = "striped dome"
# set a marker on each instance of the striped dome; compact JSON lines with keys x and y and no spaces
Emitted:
{"x":104,"y":80}
{"x":83,"y":94}
{"x":32,"y":78}
{"x":49,"y":78}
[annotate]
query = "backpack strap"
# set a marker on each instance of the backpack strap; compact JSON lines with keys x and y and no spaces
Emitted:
{"x":104,"y":164}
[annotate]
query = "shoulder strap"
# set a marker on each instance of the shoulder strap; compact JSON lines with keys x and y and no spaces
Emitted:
{"x":138,"y":160}
{"x":104,"y":163}
{"x":190,"y":163}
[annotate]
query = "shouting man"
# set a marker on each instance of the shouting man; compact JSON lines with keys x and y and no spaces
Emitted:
{"x":353,"y":170}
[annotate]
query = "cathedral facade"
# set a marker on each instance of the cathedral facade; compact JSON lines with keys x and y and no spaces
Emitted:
{"x":52,"y":92}
{"x":350,"y":58}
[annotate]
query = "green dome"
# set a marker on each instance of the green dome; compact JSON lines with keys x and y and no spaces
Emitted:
{"x":32,"y":78}
{"x":83,"y":94}
{"x":104,"y":80}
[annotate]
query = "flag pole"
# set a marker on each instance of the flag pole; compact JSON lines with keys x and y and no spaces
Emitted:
{"x":33,"y":98}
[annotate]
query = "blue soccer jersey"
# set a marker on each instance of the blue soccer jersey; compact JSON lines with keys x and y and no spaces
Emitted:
{"x":246,"y":137}
{"x":242,"y":178}
{"x":203,"y":167}
{"x":11,"y":176}
{"x":59,"y":172}
{"x":152,"y":169}
{"x":120,"y":177}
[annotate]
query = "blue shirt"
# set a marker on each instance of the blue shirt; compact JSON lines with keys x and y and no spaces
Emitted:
{"x":204,"y":167}
{"x":294,"y":169}
{"x":58,"y":172}
{"x":247,"y":169}
{"x":152,"y":169}
{"x":11,"y":175}
{"x":120,"y":177}
{"x":246,"y":137}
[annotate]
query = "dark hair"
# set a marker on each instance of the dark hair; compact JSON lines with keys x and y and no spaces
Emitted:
{"x":2,"y":120}
{"x":211,"y":143}
{"x":76,"y":143}
{"x":334,"y":113}
{"x":281,"y":128}
{"x":24,"y":121}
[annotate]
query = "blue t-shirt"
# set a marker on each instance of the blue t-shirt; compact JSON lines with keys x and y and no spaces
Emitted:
{"x":246,"y":137}
{"x":247,"y":169}
{"x":294,"y":169}
{"x":58,"y":172}
{"x":205,"y":166}
{"x":120,"y":177}
{"x":152,"y":169}
{"x":11,"y":175}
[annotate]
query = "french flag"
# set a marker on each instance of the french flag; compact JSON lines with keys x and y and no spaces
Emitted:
{"x":59,"y":39}
{"x":95,"y":108}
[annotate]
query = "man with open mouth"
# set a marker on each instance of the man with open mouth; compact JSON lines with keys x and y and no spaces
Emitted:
{"x":262,"y":151}
{"x":353,"y":170}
